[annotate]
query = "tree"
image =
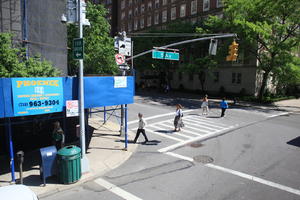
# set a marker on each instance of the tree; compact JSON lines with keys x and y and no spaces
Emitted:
{"x":269,"y":30}
{"x":14,"y":64}
{"x":98,"y":45}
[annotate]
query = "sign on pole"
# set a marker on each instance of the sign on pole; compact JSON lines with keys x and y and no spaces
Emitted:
{"x":165,"y":55}
{"x":120,"y":59}
{"x":78,"y":48}
{"x":125,"y":46}
{"x":72,"y":108}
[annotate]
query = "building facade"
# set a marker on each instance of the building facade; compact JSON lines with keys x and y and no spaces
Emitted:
{"x":36,"y":25}
{"x":135,"y":16}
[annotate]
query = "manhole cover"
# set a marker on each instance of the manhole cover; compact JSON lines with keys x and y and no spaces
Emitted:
{"x":203,"y":159}
{"x":196,"y":144}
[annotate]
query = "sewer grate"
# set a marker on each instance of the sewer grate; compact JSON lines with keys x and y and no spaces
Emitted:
{"x":196,"y":144}
{"x":203,"y":159}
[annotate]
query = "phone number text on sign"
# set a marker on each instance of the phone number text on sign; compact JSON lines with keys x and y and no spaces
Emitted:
{"x":32,"y":96}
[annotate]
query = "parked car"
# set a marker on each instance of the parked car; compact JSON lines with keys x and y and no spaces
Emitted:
{"x":17,"y":192}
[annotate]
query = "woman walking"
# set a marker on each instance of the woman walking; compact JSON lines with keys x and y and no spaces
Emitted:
{"x":204,"y":105}
{"x":178,"y":118}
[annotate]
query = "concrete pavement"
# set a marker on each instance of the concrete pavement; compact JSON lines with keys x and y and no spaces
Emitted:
{"x":106,"y":152}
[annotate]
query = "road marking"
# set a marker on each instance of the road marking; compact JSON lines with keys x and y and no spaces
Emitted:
{"x":180,"y":156}
{"x":174,"y":133}
{"x":201,"y":126}
{"x":254,"y":178}
{"x":277,"y":115}
{"x":183,"y":130}
{"x":164,"y":135}
{"x":157,"y":116}
{"x":200,"y":138}
{"x":241,"y":174}
{"x":205,"y":122}
{"x":116,"y":190}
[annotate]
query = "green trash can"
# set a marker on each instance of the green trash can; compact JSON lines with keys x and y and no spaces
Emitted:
{"x":69,"y":164}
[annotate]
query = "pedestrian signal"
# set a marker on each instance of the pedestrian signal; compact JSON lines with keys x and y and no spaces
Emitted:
{"x":233,"y":52}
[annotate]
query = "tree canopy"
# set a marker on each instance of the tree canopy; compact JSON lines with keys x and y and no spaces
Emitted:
{"x":268,"y":29}
{"x":98,"y":45}
{"x":13,"y":62}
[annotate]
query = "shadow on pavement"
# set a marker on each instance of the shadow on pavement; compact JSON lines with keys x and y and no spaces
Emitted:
{"x":295,"y":142}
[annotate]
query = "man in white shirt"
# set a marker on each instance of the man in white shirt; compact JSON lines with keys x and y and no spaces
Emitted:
{"x":141,"y":129}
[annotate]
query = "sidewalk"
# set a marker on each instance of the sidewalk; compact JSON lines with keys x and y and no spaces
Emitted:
{"x":105,"y":153}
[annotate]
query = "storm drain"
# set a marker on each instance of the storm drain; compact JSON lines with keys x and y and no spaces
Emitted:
{"x":196,"y":144}
{"x":203,"y":159}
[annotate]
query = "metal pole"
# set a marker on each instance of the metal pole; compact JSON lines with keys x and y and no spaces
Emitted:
{"x":122,"y":120}
{"x":126,"y":128}
{"x":131,"y":58}
{"x":104,"y":114}
{"x":84,"y":161}
{"x":184,"y":42}
{"x":11,"y":152}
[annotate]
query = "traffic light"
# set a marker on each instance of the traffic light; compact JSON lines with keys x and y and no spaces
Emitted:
{"x":233,"y":52}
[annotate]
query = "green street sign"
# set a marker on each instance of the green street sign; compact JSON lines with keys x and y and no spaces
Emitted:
{"x":165,"y":55}
{"x":78,"y":48}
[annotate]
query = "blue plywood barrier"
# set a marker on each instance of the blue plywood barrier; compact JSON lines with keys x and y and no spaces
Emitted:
{"x":99,"y":91}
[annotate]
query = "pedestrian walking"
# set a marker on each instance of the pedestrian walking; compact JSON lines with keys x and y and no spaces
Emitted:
{"x":178,"y":123}
{"x":141,"y":129}
{"x":204,"y":105}
{"x":58,"y":136}
{"x":224,"y":106}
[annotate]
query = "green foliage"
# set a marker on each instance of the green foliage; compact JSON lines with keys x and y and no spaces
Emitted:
{"x":267,"y":29}
{"x":14,"y":64}
{"x":98,"y":45}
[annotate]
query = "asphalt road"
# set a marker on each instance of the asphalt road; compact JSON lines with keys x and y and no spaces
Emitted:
{"x":255,"y":156}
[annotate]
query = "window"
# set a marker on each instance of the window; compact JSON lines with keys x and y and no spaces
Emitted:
{"x":136,"y":11}
{"x":135,"y":25}
{"x":123,"y":15}
{"x":191,"y":76}
{"x":194,"y":20}
{"x":173,"y":13}
{"x":130,"y":3}
{"x":129,"y":26}
{"x":142,"y":22}
{"x":236,"y":78}
{"x":150,"y":5}
{"x":164,"y":16}
{"x":122,"y":4}
{"x":206,"y":5}
{"x":182,"y":10}
{"x":156,"y":3}
{"x":164,"y":2}
{"x":216,"y":77}
{"x":129,"y":14}
{"x":149,"y":19}
{"x":193,"y":7}
{"x":180,"y":76}
{"x":172,"y":1}
{"x":233,"y":77}
{"x":239,"y":78}
{"x":142,"y":8}
{"x":219,"y":3}
{"x":156,"y":18}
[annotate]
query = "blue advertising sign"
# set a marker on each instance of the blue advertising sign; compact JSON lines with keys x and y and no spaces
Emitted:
{"x":33,"y":96}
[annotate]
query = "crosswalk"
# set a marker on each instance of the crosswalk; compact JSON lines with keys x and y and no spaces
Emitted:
{"x":195,"y":127}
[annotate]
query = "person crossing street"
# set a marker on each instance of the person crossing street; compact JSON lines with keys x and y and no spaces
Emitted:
{"x":141,"y":129}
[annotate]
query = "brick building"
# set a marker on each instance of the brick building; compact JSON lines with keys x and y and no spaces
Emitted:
{"x":140,"y":15}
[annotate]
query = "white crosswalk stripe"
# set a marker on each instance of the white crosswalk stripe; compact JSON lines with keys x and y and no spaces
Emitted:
{"x":195,"y":126}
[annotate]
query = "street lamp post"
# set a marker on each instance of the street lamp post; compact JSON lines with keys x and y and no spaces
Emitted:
{"x":84,"y":160}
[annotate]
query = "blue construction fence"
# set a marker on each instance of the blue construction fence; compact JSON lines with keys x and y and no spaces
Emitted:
{"x":98,"y":92}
